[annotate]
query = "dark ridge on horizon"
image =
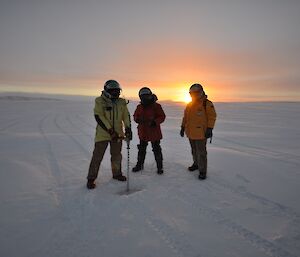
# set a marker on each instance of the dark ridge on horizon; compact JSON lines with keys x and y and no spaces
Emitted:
{"x":59,"y":97}
{"x":26,"y":98}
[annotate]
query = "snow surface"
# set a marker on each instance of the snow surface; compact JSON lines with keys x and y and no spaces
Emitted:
{"x":248,"y":206}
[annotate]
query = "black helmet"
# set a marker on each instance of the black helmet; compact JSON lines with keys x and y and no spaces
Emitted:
{"x":196,"y":88}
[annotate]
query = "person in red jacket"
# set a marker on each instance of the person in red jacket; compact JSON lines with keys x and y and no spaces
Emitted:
{"x":149,"y":115}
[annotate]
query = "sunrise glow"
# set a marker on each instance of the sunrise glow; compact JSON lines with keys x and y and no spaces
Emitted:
{"x":167,"y":54}
{"x":187,"y":99}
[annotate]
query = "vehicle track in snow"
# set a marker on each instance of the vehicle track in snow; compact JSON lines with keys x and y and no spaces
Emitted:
{"x":79,"y":117}
{"x":9,"y":125}
{"x":72,"y":137}
{"x":81,"y":130}
{"x":69,"y":207}
{"x":176,"y":240}
{"x":66,"y":210}
{"x":58,"y":195}
{"x":52,"y":160}
{"x":216,"y":216}
{"x":276,"y":208}
{"x":259,"y":151}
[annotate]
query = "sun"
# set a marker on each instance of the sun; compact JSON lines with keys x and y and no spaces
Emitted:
{"x":182,"y":95}
{"x":186,"y":98}
{"x":181,"y":92}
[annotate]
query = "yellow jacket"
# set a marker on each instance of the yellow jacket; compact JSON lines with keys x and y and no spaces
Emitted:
{"x":198,"y":116}
{"x":113,"y":114}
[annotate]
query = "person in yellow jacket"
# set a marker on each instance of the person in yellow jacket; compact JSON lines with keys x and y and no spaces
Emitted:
{"x":198,"y":123}
{"x":112,"y":115}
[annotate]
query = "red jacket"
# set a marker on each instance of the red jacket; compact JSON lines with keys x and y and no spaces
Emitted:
{"x":144,"y":116}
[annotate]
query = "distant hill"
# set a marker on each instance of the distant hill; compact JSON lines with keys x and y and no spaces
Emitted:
{"x":20,"y":96}
{"x":26,"y":98}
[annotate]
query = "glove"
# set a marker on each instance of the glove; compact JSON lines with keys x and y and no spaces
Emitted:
{"x":114,"y":135}
{"x":128,"y":133}
{"x":140,"y":120}
{"x":182,"y":131}
{"x":152,"y":124}
{"x":208,"y":133}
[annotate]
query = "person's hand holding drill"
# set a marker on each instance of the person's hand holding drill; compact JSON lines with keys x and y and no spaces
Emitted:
{"x":114,"y":135}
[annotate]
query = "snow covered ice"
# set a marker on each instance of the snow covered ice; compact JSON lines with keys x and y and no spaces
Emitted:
{"x":248,"y":206}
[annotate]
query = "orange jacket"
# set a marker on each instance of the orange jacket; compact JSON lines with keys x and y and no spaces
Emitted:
{"x":198,"y":116}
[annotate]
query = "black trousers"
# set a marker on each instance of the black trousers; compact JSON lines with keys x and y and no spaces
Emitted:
{"x":156,"y":148}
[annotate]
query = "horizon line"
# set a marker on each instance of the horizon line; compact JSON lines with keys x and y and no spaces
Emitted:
{"x":136,"y":99}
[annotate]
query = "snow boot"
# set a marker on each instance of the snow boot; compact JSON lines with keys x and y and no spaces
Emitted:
{"x":138,"y":167}
{"x":160,"y":171}
{"x":120,"y":177}
{"x":202,"y":176}
{"x":90,"y":184}
{"x":158,"y":158}
{"x":193,"y":167}
{"x":141,"y":158}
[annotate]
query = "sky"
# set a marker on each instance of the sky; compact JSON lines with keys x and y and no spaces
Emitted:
{"x":238,"y":50}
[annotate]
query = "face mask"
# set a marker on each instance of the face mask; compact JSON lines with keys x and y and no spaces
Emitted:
{"x":147,"y":99}
{"x":114,"y":93}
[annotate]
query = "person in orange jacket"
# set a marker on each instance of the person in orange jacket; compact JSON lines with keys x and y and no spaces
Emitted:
{"x":198,"y":123}
{"x":149,"y":115}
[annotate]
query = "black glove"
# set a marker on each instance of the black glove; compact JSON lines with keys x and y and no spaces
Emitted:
{"x":152,"y":124}
{"x":208,"y":133}
{"x":128,"y":133}
{"x":182,"y":131}
{"x":114,"y":135}
{"x":140,"y":120}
